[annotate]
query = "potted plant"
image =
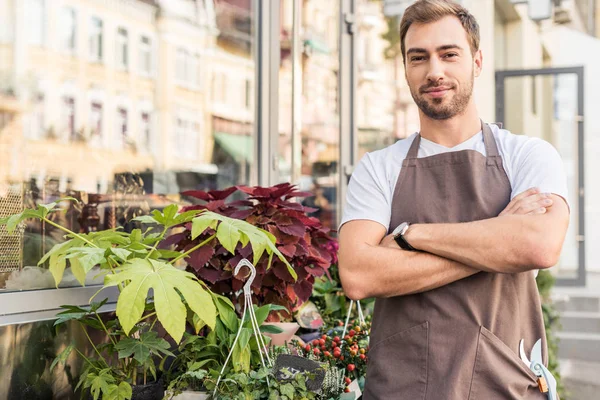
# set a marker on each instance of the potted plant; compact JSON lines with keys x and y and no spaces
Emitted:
{"x":199,"y":356}
{"x":135,"y":262}
{"x":280,"y":381}
{"x":303,"y":240}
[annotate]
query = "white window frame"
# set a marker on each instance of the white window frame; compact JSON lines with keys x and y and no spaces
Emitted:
{"x":69,"y":119}
{"x":186,"y":137}
{"x":146,"y":138}
{"x":96,"y":131}
{"x":181,"y":66}
{"x":122,"y":126}
{"x":68,"y":38}
{"x":145,"y":50}
{"x":96,"y":39}
{"x":193,"y":70}
{"x":36,"y":22}
{"x":122,"y":49}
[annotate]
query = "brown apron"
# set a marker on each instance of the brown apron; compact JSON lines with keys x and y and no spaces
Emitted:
{"x":459,"y":341}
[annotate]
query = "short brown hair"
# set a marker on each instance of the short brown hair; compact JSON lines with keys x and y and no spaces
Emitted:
{"x":426,"y":11}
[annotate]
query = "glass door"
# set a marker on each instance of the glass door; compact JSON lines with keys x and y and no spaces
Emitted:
{"x":548,"y":103}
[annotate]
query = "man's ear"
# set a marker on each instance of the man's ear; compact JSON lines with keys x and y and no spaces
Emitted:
{"x":478,"y":63}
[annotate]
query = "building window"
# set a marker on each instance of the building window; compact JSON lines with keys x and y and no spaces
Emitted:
{"x":187,"y":69}
{"x":35,"y":22}
{"x":122,"y":125}
{"x":69,"y":116}
{"x":180,"y":67}
{"x":37,"y":121}
{"x":95,"y":39}
{"x":186,"y":138}
{"x":146,"y":131}
{"x":122,"y":49}
{"x":192,"y":70}
{"x":69,"y":29}
{"x":145,"y":55}
{"x":96,"y":119}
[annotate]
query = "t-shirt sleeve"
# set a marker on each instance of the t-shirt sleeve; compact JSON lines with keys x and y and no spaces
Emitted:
{"x":539,"y":165}
{"x":366,"y":195}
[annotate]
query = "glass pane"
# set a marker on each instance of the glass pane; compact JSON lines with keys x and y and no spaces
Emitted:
{"x":546,"y":107}
{"x":319,"y":115}
{"x":385,"y":110}
{"x":286,"y":92}
{"x":126,"y":143}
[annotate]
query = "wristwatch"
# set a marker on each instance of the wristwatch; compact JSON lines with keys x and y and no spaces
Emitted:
{"x":399,"y":236}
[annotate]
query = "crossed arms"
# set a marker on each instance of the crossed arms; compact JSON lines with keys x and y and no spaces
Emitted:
{"x":527,"y":235}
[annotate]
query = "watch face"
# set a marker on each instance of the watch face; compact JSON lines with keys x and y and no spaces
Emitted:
{"x":399,"y":228}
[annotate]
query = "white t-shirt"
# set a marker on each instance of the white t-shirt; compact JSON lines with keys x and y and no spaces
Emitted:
{"x":528,"y":162}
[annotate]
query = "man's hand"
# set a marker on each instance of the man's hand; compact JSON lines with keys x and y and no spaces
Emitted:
{"x":529,"y":202}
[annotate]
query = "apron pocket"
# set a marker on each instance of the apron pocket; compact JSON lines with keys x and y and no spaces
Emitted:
{"x":499,"y":373}
{"x":398,"y":365}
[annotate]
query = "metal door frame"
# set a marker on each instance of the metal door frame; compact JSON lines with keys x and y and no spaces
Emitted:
{"x":580,"y":280}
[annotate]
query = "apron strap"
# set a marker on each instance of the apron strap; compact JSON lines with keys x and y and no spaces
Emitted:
{"x":491,"y":148}
{"x":413,"y":152}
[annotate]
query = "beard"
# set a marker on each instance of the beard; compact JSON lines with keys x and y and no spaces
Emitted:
{"x":435,"y":109}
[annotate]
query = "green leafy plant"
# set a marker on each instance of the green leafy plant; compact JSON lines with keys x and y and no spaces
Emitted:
{"x":304,"y":241}
{"x":199,"y":355}
{"x":135,"y":262}
{"x":545,"y":281}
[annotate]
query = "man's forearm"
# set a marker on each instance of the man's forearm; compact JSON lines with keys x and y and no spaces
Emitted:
{"x":512,"y":243}
{"x":386,"y":272}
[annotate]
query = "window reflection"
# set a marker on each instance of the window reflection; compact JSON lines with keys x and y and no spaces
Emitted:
{"x":137,"y":101}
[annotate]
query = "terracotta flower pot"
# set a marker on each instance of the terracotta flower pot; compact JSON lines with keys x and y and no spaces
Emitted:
{"x":279,"y":339}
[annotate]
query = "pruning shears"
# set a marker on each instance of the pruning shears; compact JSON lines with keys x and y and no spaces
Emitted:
{"x":546,"y":382}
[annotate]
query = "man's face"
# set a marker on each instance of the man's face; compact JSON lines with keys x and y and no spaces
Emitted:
{"x":440,"y":68}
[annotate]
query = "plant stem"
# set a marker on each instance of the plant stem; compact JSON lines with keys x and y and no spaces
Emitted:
{"x":83,"y":356}
{"x":70,"y":232}
{"x":147,"y":316}
{"x":152,"y":326}
{"x":93,"y":345}
{"x":158,"y":239}
{"x":187,"y":253}
{"x":105,"y":329}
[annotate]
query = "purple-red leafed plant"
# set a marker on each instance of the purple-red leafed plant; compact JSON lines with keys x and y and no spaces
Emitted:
{"x":306,"y":244}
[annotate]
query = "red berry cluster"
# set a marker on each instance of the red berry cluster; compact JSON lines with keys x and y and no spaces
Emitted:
{"x":349,"y":352}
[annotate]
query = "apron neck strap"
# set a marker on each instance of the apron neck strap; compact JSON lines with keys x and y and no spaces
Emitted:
{"x":491,"y":149}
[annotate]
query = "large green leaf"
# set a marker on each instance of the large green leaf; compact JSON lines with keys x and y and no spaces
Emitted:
{"x":148,"y":344}
{"x":121,"y":392}
{"x":99,"y":383}
{"x":230,"y":231}
{"x":88,"y":257}
{"x":167,"y":283}
{"x":201,"y":222}
{"x":78,"y":271}
{"x":57,"y":267}
{"x":227,"y":314}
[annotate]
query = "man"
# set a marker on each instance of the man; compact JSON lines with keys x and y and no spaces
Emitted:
{"x":479,"y":211}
